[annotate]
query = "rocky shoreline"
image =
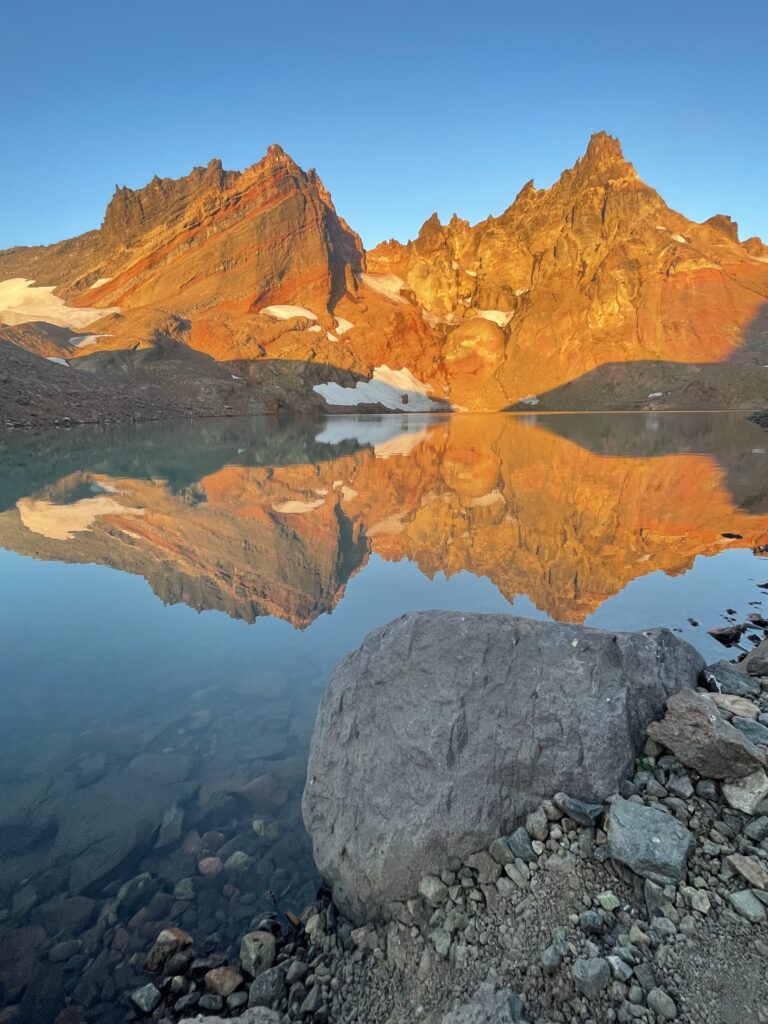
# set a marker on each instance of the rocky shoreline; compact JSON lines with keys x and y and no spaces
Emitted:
{"x":649,"y":906}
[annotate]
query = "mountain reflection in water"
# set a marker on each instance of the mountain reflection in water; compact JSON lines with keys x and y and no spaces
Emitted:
{"x":259,"y":519}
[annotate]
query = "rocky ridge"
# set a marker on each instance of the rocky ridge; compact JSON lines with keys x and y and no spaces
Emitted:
{"x":594,"y":273}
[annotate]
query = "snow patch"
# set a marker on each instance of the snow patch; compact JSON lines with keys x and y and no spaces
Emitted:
{"x":471,"y":273}
{"x":235,"y":377}
{"x":454,"y":265}
{"x":297,"y":507}
{"x":84,"y":340}
{"x":100,"y":282}
{"x":498,"y":316}
{"x":22,"y":302}
{"x":331,"y":337}
{"x":530,"y":400}
{"x":348,"y":493}
{"x":485,"y":500}
{"x":388,"y":285}
{"x":314,"y":329}
{"x":288,"y":312}
{"x":679,"y":238}
{"x":387,"y":387}
{"x":656,"y":394}
{"x":57,"y":359}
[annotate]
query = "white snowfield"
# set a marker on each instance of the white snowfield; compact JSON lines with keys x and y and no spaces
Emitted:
{"x":22,"y":302}
{"x":386,"y":388}
{"x":388,"y":285}
{"x":288,"y":312}
{"x":498,"y":316}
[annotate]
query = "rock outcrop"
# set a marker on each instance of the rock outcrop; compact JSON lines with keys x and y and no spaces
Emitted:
{"x":442,"y":730}
{"x":585,"y":278}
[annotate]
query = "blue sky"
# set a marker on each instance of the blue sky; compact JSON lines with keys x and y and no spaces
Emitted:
{"x":404,"y":108}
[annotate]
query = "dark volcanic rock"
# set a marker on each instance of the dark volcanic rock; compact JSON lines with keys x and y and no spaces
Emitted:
{"x":725,"y":677}
{"x":651,"y":843}
{"x":697,"y":735}
{"x":442,"y":730}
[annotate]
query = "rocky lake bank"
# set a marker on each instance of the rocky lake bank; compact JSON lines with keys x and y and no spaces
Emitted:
{"x":606,"y":860}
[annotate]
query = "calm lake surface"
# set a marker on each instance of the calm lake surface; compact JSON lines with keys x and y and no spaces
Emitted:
{"x":173,"y":598}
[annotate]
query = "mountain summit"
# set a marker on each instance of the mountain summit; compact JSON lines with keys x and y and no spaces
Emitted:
{"x":594,"y":272}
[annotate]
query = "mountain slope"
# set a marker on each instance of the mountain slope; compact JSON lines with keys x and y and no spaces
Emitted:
{"x":257,"y":265}
{"x":596,"y":269}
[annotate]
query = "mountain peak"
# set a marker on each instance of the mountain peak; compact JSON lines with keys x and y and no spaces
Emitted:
{"x":603,"y":160}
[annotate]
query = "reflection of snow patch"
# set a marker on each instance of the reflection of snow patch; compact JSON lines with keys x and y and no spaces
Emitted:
{"x":471,"y":273}
{"x":100,"y":282}
{"x":386,"y":527}
{"x":498,"y":316}
{"x":342,"y":325}
{"x":314,"y":329}
{"x":235,"y":377}
{"x":22,"y":302}
{"x":387,"y":387}
{"x":287,"y":312}
{"x":373,"y":430}
{"x":348,"y":493}
{"x":331,"y":337}
{"x":57,"y":359}
{"x":530,"y":400}
{"x":297,"y":507}
{"x":403,"y":444}
{"x":61,"y":522}
{"x":389,"y":285}
{"x":656,"y":394}
{"x":454,"y":265}
{"x":521,"y":291}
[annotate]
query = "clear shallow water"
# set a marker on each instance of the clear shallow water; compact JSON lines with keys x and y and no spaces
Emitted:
{"x":173,"y":598}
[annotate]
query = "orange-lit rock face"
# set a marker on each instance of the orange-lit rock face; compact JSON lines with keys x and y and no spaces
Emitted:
{"x":595,"y":270}
{"x":536,"y":513}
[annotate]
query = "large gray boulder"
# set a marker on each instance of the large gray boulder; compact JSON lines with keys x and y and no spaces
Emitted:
{"x":444,"y":729}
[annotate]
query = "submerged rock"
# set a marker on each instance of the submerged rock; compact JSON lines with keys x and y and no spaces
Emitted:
{"x":443,"y":730}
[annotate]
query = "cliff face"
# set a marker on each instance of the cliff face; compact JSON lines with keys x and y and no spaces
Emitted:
{"x":596,"y":270}
{"x":534,"y":512}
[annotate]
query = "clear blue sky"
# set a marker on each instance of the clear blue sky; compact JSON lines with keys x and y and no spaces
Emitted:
{"x":404,"y":108}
